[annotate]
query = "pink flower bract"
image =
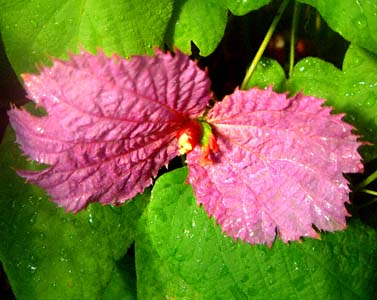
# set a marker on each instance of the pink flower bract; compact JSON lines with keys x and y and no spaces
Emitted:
{"x":279,"y":168}
{"x":111,"y":123}
{"x":266,"y":164}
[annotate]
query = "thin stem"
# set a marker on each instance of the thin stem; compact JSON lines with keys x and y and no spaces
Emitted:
{"x":293,"y":38}
{"x":264,"y":44}
{"x":370,"y":192}
{"x":372,"y":177}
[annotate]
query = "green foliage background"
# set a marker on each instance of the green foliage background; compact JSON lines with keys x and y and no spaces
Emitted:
{"x":180,"y":253}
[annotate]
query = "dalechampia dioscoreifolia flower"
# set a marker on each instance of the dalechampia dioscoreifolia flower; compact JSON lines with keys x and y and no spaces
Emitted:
{"x":258,"y":162}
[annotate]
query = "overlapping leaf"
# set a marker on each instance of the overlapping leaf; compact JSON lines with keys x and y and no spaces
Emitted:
{"x":49,"y":254}
{"x":32,"y":29}
{"x":353,"y":90}
{"x":279,"y":167}
{"x":356,"y":21}
{"x":110,"y":124}
{"x":204,"y":22}
{"x":180,"y":254}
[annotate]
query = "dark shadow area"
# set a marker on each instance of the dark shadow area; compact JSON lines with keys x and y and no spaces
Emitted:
{"x":11,"y":90}
{"x":126,"y":266}
{"x":243,"y":36}
{"x":175,"y":163}
{"x":364,"y":205}
{"x":5,"y":289}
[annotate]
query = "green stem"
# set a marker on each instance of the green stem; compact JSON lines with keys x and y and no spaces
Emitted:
{"x":264,"y":44}
{"x":293,"y":38}
{"x":370,"y":192}
{"x":372,"y":177}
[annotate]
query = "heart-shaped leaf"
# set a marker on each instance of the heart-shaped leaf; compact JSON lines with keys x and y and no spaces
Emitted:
{"x":111,"y":123}
{"x":204,"y":22}
{"x":33,"y":30}
{"x":279,"y":167}
{"x":181,"y":254}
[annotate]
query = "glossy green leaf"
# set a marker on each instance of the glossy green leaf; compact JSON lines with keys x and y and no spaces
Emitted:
{"x":50,"y":254}
{"x":355,"y":20}
{"x":268,"y":72}
{"x":181,"y":254}
{"x":34,"y":30}
{"x":204,"y":22}
{"x":242,"y":7}
{"x":352,"y":91}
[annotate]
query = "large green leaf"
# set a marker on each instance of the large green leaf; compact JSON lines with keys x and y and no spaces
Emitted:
{"x":34,"y":30}
{"x":352,"y":90}
{"x":181,"y":254}
{"x":50,"y":254}
{"x":204,"y":22}
{"x":355,"y":20}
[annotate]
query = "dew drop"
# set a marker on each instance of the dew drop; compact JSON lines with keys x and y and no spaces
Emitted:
{"x":33,"y":217}
{"x":369,"y":103}
{"x":360,"y":22}
{"x":32,"y":269}
{"x":40,"y":130}
{"x":55,"y":99}
{"x":90,"y":219}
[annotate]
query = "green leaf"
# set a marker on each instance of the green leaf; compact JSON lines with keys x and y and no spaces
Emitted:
{"x":240,"y":8}
{"x":204,"y":22}
{"x":50,"y":254}
{"x":34,"y":30}
{"x":356,"y":21}
{"x":352,"y":91}
{"x":181,"y":254}
{"x":268,"y":72}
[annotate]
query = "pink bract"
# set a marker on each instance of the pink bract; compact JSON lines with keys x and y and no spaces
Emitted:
{"x":279,"y":168}
{"x":271,"y":165}
{"x":111,"y":123}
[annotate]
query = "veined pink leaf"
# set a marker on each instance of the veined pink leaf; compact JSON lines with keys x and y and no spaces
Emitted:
{"x":279,"y":167}
{"x":111,"y":123}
